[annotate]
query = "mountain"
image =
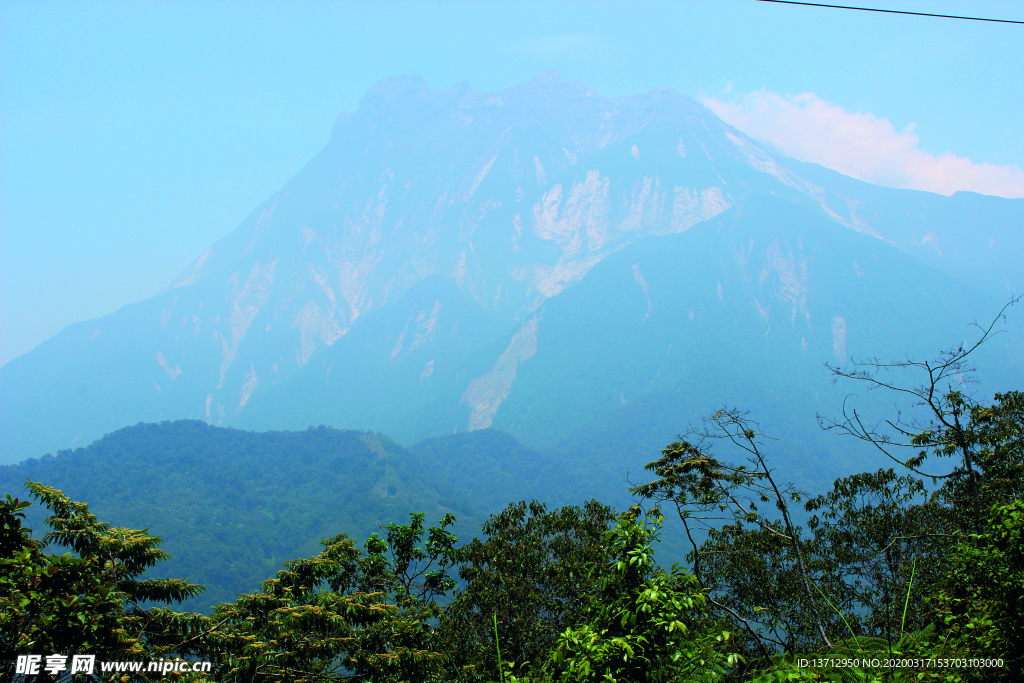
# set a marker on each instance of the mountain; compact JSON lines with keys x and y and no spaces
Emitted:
{"x":490,"y":469}
{"x":433,"y":268}
{"x":742,"y":309}
{"x":972,"y":237}
{"x":231,"y":506}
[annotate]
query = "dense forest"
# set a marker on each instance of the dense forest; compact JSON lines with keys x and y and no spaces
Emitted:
{"x":231,"y":505}
{"x":908,"y":572}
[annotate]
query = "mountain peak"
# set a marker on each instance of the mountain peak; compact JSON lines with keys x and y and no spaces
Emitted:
{"x":508,"y":197}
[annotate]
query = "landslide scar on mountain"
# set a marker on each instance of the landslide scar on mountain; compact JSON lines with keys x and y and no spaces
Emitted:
{"x":839,"y":338}
{"x":485,"y":393}
{"x":422,"y":333}
{"x":792,"y":282}
{"x":173,"y":374}
{"x":314,"y":323}
{"x":639,"y":277}
{"x":246,"y":300}
{"x":584,"y":212}
{"x":691,"y":206}
{"x":249,"y":386}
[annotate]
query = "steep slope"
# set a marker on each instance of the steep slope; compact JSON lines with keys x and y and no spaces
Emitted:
{"x":741,"y":310}
{"x":512,"y":197}
{"x":398,"y":359}
{"x":972,"y":237}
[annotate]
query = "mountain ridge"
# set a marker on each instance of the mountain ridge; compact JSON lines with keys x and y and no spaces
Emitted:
{"x":233,"y":505}
{"x":513,"y":196}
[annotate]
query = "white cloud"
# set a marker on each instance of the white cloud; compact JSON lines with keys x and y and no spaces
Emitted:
{"x":864,"y":146}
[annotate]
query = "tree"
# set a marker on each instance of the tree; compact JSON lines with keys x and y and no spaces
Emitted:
{"x":945,"y":421}
{"x":530,"y":574}
{"x":950,"y":539}
{"x":88,"y":601}
{"x":644,"y":625}
{"x":874,"y":553}
{"x":981,"y":601}
{"x":754,"y":562}
{"x":342,"y":614}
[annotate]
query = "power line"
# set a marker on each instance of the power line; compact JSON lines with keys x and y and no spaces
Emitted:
{"x":893,"y":11}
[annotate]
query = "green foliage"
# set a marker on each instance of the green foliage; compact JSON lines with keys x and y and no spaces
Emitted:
{"x":886,"y":569}
{"x":341,"y":614}
{"x":872,"y":532}
{"x":88,"y":600}
{"x":895,"y":572}
{"x":1000,"y":435}
{"x":234,"y":505}
{"x":988,"y":443}
{"x":903,"y":567}
{"x":746,"y":549}
{"x":980,"y":607}
{"x":644,"y":625}
{"x":533,"y":571}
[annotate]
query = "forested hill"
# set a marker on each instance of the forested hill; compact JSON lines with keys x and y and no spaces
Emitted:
{"x":487,"y":469}
{"x":232,"y":505}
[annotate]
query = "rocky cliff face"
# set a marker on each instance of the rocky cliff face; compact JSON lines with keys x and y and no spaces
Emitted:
{"x":475,"y":209}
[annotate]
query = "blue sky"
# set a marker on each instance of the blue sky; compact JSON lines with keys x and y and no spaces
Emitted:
{"x":135,"y":134}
